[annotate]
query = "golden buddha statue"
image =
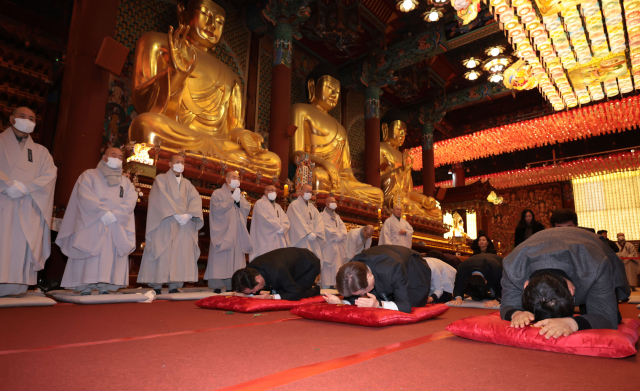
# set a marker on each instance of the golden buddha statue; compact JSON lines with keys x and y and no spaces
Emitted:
{"x":395,"y":175}
{"x":325,"y":140}
{"x":191,"y":100}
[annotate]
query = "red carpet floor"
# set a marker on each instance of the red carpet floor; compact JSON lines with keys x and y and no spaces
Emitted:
{"x":178,"y":346}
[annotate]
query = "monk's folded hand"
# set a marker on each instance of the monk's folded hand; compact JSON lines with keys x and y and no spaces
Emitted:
{"x":21,"y":187}
{"x":557,"y":327}
{"x":369,"y":302}
{"x":281,"y":232}
{"x":108,"y":218}
{"x":456,"y":302}
{"x":520,"y":319}
{"x":332,"y":299}
{"x":14,"y":192}
{"x":236,"y":194}
{"x":403,"y":232}
{"x":312,"y":236}
{"x":491,"y":303}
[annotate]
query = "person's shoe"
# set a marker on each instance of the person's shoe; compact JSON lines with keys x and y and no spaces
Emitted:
{"x":158,"y":291}
{"x":217,"y":291}
{"x":105,"y":293}
{"x":174,"y":291}
{"x":85,"y":294}
{"x":633,"y":288}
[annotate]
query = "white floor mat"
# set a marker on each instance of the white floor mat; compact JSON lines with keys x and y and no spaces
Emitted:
{"x":30,"y":299}
{"x":469,"y":303}
{"x":68,"y":296}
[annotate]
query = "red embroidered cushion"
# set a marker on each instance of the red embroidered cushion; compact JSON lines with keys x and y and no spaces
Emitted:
{"x":374,"y":317}
{"x":247,"y":304}
{"x":599,"y":343}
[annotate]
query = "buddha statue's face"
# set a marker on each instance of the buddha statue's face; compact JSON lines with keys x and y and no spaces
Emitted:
{"x":324,"y":93}
{"x":397,"y":133}
{"x":206,"y":20}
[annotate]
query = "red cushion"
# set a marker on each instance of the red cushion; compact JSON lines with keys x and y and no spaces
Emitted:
{"x":599,"y":343}
{"x":247,"y":304}
{"x":374,"y":317}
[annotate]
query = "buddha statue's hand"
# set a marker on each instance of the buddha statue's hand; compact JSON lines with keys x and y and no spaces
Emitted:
{"x":183,"y":55}
{"x":251,"y":142}
{"x":334,"y":175}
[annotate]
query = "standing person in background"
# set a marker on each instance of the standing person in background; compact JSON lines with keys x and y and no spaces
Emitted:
{"x":269,"y":224}
{"x":334,"y":246}
{"x":396,"y":230}
{"x":527,"y":226}
{"x":610,"y":242}
{"x":631,"y":266}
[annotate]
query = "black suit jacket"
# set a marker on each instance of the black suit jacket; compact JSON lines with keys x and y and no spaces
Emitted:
{"x":595,"y":270}
{"x":291,"y":271}
{"x":401,"y":275}
{"x":521,"y":231}
{"x":490,"y":265}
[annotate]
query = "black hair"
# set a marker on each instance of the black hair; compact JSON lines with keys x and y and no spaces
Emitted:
{"x":561,"y":216}
{"x":476,"y":287}
{"x":436,"y":254}
{"x":476,"y":247}
{"x":244,"y":279}
{"x":523,"y":216}
{"x":602,"y":231}
{"x":548,"y":296}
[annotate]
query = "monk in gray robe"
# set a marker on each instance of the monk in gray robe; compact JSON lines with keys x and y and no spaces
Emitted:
{"x":230,"y":239}
{"x":174,"y":218}
{"x":396,"y":230}
{"x":334,"y":247}
{"x":98,"y":229}
{"x":269,"y":224}
{"x":27,"y":181}
{"x":307,"y":227}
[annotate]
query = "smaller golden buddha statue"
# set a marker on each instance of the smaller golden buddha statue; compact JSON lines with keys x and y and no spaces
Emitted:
{"x":395,"y":175}
{"x":190,"y":100}
{"x":324,"y":139}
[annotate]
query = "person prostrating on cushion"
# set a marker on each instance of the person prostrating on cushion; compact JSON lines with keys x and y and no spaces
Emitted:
{"x":286,"y":273}
{"x":389,"y":277}
{"x":479,"y":277}
{"x":556,"y":270}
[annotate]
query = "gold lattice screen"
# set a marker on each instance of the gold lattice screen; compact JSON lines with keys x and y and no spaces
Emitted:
{"x":610,"y":202}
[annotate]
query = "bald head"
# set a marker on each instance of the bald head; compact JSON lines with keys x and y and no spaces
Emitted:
{"x":306,"y":189}
{"x":232,"y":177}
{"x":177,"y":159}
{"x":269,"y":189}
{"x":397,"y":211}
{"x":367,"y":231}
{"x":330,"y":200}
{"x":113,"y":152}
{"x":23,"y":113}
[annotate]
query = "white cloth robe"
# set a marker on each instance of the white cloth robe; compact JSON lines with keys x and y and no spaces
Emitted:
{"x":356,"y":243}
{"x":443,"y":276}
{"x":390,"y":229}
{"x":229,"y":236}
{"x":98,"y":254}
{"x":305,"y":219}
{"x":266,"y":221}
{"x":631,"y":266}
{"x":25,"y":222}
{"x":171,"y":251}
{"x":334,"y":252}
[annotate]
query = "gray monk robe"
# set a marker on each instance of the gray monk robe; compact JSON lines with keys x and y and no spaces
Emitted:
{"x":171,"y":251}
{"x":229,"y":237}
{"x":25,"y":222}
{"x":305,"y":220}
{"x":98,"y":254}
{"x":269,"y":227}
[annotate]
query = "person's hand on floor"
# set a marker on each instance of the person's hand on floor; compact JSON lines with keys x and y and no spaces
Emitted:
{"x":456,"y":302}
{"x":332,"y":299}
{"x":556,"y":327}
{"x":520,"y":319}
{"x":239,"y":294}
{"x":368,"y":302}
{"x":430,"y":300}
{"x":262,"y":295}
{"x":491,"y":303}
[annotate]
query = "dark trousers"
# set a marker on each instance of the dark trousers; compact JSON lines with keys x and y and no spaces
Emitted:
{"x":446,"y":296}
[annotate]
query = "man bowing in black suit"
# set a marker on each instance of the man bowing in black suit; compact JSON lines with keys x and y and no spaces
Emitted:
{"x":286,"y":273}
{"x":389,"y":277}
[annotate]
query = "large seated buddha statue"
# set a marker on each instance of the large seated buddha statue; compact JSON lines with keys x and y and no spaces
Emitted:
{"x":395,"y":175}
{"x":324,"y":139}
{"x":191,"y":100}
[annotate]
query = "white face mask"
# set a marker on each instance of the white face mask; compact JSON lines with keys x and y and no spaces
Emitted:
{"x":114,"y":162}
{"x":178,"y":167}
{"x":234,"y":184}
{"x":333,"y":206}
{"x":306,"y":196}
{"x":272,"y":196}
{"x":24,"y":125}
